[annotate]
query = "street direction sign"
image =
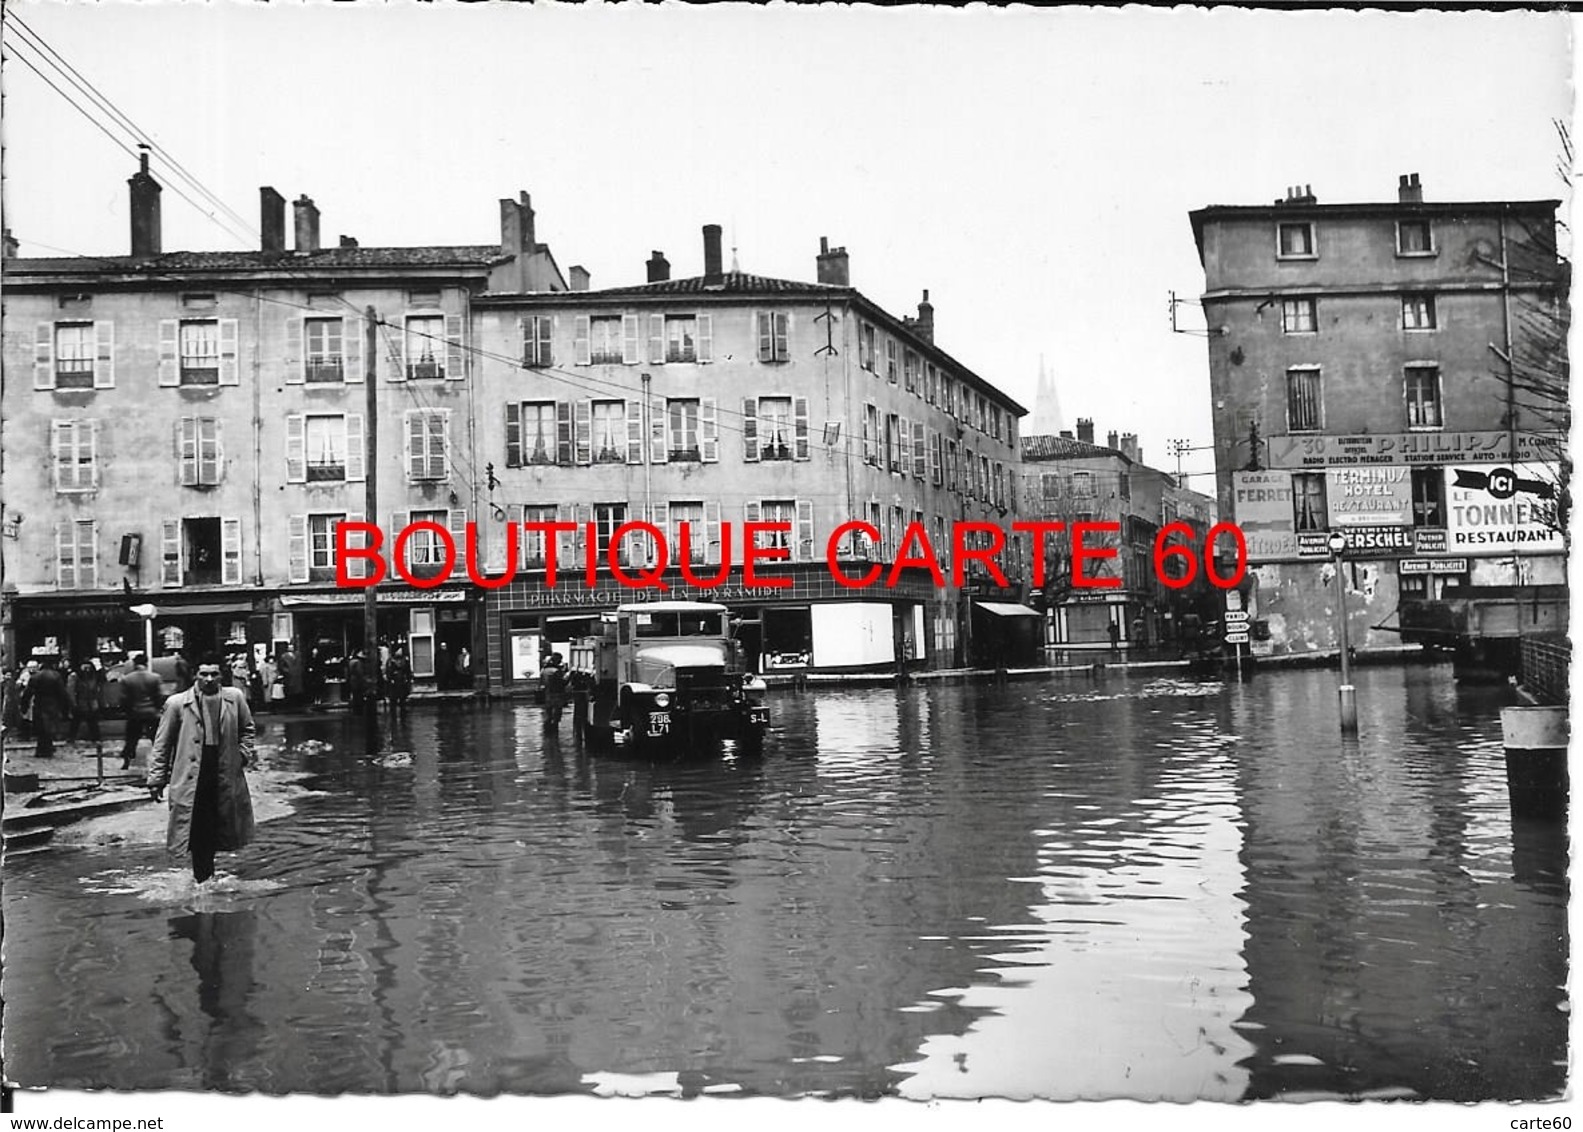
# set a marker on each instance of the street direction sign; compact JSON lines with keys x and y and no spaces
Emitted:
{"x":1237,"y":638}
{"x":1236,"y":617}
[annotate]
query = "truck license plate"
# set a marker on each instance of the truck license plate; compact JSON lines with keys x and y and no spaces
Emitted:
{"x":659,"y":723}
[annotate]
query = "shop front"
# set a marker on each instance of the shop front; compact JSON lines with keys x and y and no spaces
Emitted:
{"x":327,"y":629}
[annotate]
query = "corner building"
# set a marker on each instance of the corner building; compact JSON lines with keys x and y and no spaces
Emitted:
{"x":725,"y":398}
{"x":1389,"y":370}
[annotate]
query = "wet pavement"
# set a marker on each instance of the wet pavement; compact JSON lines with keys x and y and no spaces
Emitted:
{"x":1127,"y":887}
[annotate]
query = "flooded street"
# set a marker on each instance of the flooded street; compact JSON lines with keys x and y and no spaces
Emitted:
{"x":1130,"y":888}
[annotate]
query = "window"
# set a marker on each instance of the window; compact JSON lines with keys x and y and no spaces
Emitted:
{"x":950,"y":465}
{"x":198,"y":447}
{"x":537,"y":350}
{"x":604,"y":340}
{"x":1308,"y":501}
{"x":427,"y":444}
{"x":690,"y":514}
{"x":1082,"y":485}
{"x":1418,"y":312}
{"x":325,"y":447}
{"x":76,"y":554}
{"x":322,"y":350}
{"x":74,"y":450}
{"x":194,"y":552}
{"x":1303,"y":402}
{"x":892,"y":454}
{"x":609,"y":432}
{"x":682,"y":429}
{"x":681,"y":338}
{"x":1295,"y":240}
{"x":424,"y":547}
{"x":890,"y":360}
{"x":1297,"y":316}
{"x":200,"y":351}
{"x":931,"y":383}
{"x":865,"y":346}
{"x":74,"y":354}
{"x":1429,"y":497}
{"x":530,"y":544}
{"x":1050,"y":485}
{"x":1126,"y":485}
{"x":1414,"y":237}
{"x":909,"y":369}
{"x":538,"y":434}
{"x":778,"y":511}
{"x":321,"y":541}
{"x":773,"y":336}
{"x":425,"y":346}
{"x":608,"y":518}
{"x":1423,"y":397}
{"x":871,"y":440}
{"x":775,"y":428}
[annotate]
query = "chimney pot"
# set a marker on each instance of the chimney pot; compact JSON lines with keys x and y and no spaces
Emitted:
{"x":272,"y":220}
{"x":659,"y":267}
{"x":832,"y":266}
{"x":307,"y":224}
{"x":713,"y":272}
{"x":1085,"y":429}
{"x":1111,"y":440}
{"x":925,"y":323}
{"x":1408,"y":190}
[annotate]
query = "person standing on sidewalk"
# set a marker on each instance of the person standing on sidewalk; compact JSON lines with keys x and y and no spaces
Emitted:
{"x":202,"y":750}
{"x":86,"y":691}
{"x":45,"y":700}
{"x":141,"y":696}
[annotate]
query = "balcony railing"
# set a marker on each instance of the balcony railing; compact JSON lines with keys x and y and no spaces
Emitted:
{"x":200,"y":371}
{"x":427,"y":368}
{"x":324,"y":369}
{"x":323,"y":472}
{"x":74,"y":373}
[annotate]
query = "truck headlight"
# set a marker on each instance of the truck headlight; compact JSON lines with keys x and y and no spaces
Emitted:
{"x":662,"y":700}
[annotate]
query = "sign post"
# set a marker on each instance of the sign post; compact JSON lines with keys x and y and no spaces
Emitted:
{"x":1236,"y":626}
{"x":1348,"y":694}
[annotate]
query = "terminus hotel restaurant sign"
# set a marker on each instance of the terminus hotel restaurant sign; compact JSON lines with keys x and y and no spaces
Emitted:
{"x":1468,"y":494}
{"x":361,"y":555}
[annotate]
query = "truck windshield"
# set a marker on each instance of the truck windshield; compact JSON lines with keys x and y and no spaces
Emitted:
{"x":670,"y":624}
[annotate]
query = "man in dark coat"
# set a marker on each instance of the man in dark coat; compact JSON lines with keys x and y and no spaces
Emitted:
{"x":141,"y":696}
{"x":553,"y":677}
{"x":86,"y":691}
{"x":203,"y":747}
{"x":398,"y":678}
{"x":46,"y":697}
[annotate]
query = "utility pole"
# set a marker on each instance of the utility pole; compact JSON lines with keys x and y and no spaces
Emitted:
{"x":371,"y":670}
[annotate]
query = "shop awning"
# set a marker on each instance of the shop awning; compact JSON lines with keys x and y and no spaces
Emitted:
{"x":1007,"y":609}
{"x":203,"y":608}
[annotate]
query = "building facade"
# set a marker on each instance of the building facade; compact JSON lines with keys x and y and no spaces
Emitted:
{"x":1389,"y":371}
{"x":1070,"y":479}
{"x":197,"y":424}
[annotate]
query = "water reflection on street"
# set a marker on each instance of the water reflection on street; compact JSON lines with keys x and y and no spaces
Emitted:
{"x":1134,"y":888}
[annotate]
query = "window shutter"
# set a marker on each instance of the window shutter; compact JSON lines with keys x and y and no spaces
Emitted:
{"x":455,"y":361}
{"x":766,"y":337}
{"x":800,"y":424}
{"x":93,"y":454}
{"x":782,"y":345}
{"x":584,"y":430}
{"x":356,"y":449}
{"x":711,"y":531}
{"x":187,"y":450}
{"x":211,"y":466}
{"x":525,"y":336}
{"x":514,"y":434}
{"x":706,"y":338}
{"x":660,"y":516}
{"x":412,"y":445}
{"x":104,"y":355}
{"x":936,"y":472}
{"x":231,"y":552}
{"x":635,"y":431}
{"x":805,"y":530}
{"x":566,"y":541}
{"x":65,"y":554}
{"x":563,"y":433}
{"x":920,"y":453}
{"x":294,"y":360}
{"x":352,"y":333}
{"x":297,"y":547}
{"x":439,"y":444}
{"x":395,"y":347}
{"x":230,"y":348}
{"x":657,"y":339}
{"x":584,"y":349}
{"x":582,"y":515}
{"x":457,"y":522}
{"x":355,"y":540}
{"x":708,"y":430}
{"x":752,"y":512}
{"x":61,"y":456}
{"x":659,"y":448}
{"x":44,"y":356}
{"x":630,"y":343}
{"x":750,"y":429}
{"x":498,"y":545}
{"x":170,"y":553}
{"x":296,"y":448}
{"x":169,"y":370}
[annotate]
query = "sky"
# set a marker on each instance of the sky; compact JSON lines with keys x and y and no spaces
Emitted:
{"x":1033,"y":168}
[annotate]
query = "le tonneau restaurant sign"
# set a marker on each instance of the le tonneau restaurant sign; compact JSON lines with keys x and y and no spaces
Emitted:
{"x":1405,"y":448}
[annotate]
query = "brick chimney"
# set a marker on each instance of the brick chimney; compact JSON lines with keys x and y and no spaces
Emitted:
{"x":1408,"y":190}
{"x":516,"y":226}
{"x":1299,"y":194}
{"x":832,"y":265}
{"x":1085,"y":429}
{"x":579,"y":277}
{"x":272,"y":220}
{"x":307,"y":217}
{"x":145,"y":208}
{"x":1067,"y":433}
{"x":1111,"y":441}
{"x":659,"y":267}
{"x":712,"y":270}
{"x":349,"y":241}
{"x":925,"y":324}
{"x":1129,"y":447}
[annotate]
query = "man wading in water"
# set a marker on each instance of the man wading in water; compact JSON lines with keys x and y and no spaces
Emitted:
{"x":204,"y":743}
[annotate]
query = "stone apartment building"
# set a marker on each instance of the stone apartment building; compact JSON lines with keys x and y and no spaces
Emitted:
{"x":1071,"y":479}
{"x":196,"y":425}
{"x":1373,"y":368}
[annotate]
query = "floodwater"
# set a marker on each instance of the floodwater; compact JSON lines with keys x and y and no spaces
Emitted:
{"x":1158,"y":889}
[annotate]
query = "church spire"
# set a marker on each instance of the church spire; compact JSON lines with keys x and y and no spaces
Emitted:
{"x":1046,"y":407}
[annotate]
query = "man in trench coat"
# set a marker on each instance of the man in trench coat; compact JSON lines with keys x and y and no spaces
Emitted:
{"x":203,"y":746}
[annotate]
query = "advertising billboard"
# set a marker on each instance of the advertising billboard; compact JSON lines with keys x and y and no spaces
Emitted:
{"x":1501,"y":510}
